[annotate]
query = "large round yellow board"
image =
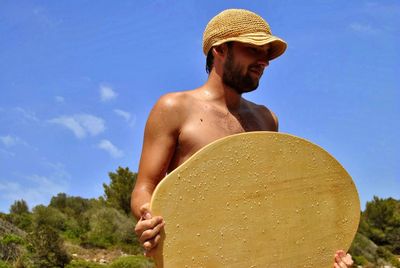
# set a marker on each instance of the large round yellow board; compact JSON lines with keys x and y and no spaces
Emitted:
{"x":257,"y":199}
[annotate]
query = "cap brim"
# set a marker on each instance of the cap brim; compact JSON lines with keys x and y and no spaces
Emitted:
{"x":278,"y":46}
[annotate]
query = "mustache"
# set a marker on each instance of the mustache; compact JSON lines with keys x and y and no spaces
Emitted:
{"x":256,"y":67}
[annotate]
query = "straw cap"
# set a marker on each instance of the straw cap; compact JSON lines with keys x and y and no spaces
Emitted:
{"x":242,"y":26}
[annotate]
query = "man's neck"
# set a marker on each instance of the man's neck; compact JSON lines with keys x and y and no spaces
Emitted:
{"x":221,"y":93}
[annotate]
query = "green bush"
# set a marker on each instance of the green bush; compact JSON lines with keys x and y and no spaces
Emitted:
{"x":382,"y":217}
{"x":11,"y":247}
{"x":22,"y":221}
{"x":132,"y":262}
{"x":49,"y":216}
{"x":118,"y":193}
{"x":387,"y":255}
{"x":131,"y":248}
{"x":47,"y":247}
{"x":72,"y":206}
{"x":108,"y":227}
{"x":360,"y":260}
{"x":19,"y":207}
{"x":4,"y":264}
{"x":73,"y":230}
{"x":83,"y":264}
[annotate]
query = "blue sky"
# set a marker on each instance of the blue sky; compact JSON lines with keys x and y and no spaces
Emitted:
{"x":78,"y":79}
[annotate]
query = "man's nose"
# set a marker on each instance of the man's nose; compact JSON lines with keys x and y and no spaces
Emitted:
{"x":263,"y":62}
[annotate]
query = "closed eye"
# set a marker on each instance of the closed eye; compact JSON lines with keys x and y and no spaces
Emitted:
{"x":253,"y":50}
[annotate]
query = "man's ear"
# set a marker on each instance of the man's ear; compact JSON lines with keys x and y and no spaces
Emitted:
{"x":220,"y":51}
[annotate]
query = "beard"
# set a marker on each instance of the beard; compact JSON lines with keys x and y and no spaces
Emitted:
{"x":234,"y":78}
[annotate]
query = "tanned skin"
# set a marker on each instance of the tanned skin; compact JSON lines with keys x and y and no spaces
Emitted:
{"x":182,"y":123}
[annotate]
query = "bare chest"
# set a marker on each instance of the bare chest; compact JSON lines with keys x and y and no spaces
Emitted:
{"x":206,"y":126}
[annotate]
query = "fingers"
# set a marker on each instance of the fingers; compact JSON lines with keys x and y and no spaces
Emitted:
{"x":342,"y":260}
{"x":338,"y":262}
{"x":145,"y":211}
{"x":144,"y":225}
{"x":348,"y":260}
{"x":341,"y":253}
{"x":151,"y":232}
{"x":152,"y":243}
{"x":148,"y":229}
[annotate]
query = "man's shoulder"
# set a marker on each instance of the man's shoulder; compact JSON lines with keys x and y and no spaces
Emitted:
{"x":175,"y":101}
{"x":258,"y":107}
{"x":265,"y":113}
{"x":177,"y":98}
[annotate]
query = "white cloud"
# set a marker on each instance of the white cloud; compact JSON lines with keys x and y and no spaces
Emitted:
{"x":59,"y":99}
{"x":10,"y":141}
{"x":107,"y":93}
{"x":126,"y":115}
{"x":35,"y":189}
{"x":72,"y":124}
{"x":94,"y":125}
{"x":30,"y":116}
{"x":81,"y":124}
{"x":110,"y":148}
{"x":42,"y":189}
{"x":129,"y":118}
{"x":7,"y":153}
{"x":363,"y":28}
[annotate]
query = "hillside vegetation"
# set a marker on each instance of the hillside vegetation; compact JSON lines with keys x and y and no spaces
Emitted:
{"x":78,"y":232}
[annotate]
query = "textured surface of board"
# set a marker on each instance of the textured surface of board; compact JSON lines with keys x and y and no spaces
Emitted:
{"x":257,"y":199}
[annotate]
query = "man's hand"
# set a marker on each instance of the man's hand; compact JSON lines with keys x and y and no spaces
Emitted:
{"x":148,"y":229}
{"x":342,"y":260}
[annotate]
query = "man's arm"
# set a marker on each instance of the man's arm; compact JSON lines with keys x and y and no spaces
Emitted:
{"x":160,"y":140}
{"x":276,"y":122}
{"x":270,"y":118}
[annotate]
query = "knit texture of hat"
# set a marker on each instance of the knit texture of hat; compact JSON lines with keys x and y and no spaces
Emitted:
{"x":232,"y":24}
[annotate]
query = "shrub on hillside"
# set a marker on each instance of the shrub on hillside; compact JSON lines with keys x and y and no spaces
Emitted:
{"x":382,"y":223}
{"x":387,"y":255}
{"x":4,"y":264}
{"x":118,"y":193}
{"x":132,"y":262}
{"x":47,"y":247}
{"x":19,"y":207}
{"x":109,"y":226}
{"x":11,"y":247}
{"x":83,"y":264}
{"x":50,"y":216}
{"x":72,"y":206}
{"x":22,"y":221}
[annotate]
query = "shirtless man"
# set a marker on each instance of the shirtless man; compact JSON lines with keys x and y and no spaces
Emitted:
{"x":239,"y":46}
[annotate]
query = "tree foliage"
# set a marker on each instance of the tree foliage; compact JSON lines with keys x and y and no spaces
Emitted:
{"x":73,"y":206}
{"x":106,"y":222}
{"x":49,"y":216}
{"x":101,"y":222}
{"x":109,"y":226}
{"x":19,"y":207}
{"x":118,"y":193}
{"x":47,"y":245}
{"x":382,"y":223}
{"x":48,"y":249}
{"x":132,"y":262}
{"x":377,"y":240}
{"x":11,"y":247}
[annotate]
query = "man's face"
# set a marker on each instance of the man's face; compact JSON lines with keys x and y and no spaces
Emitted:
{"x":244,"y":66}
